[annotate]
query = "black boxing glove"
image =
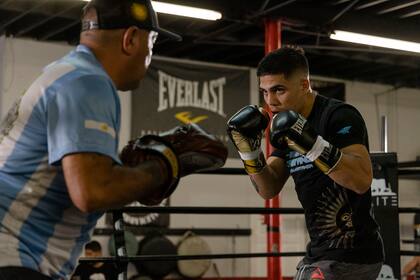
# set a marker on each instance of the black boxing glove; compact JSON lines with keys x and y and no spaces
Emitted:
{"x":245,"y":129}
{"x":291,"y":127}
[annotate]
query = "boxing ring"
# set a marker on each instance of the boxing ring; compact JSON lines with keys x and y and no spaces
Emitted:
{"x":382,"y":164}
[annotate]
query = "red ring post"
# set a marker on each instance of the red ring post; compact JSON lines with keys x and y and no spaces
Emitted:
{"x":272,"y":42}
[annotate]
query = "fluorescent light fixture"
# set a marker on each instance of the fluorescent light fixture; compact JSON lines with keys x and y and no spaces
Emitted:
{"x":185,"y":11}
{"x":375,"y":41}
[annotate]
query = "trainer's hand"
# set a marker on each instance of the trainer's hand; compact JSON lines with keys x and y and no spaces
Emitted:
{"x":184,"y":150}
{"x":196,"y":149}
{"x":150,"y":147}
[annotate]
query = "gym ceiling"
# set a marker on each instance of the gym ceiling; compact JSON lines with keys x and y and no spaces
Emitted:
{"x":238,"y":38}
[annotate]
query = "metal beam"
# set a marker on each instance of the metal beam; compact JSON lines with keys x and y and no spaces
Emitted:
{"x":243,"y":55}
{"x":175,"y":51}
{"x":234,"y":27}
{"x":232,"y":43}
{"x":322,"y":63}
{"x":227,"y":29}
{"x":380,"y":26}
{"x":14,"y":19}
{"x":409,"y":75}
{"x":343,"y":11}
{"x":305,"y":32}
{"x":399,"y":7}
{"x":411,"y":14}
{"x":317,"y":15}
{"x":361,"y":50}
{"x":59,"y":30}
{"x":339,"y":2}
{"x":345,"y":66}
{"x":258,"y":44}
{"x":264,"y":5}
{"x":395,"y":69}
{"x":412,"y":65}
{"x":366,"y":71}
{"x":399,"y":83}
{"x":210,"y":53}
{"x":367,"y":60}
{"x":52,"y":16}
{"x":272,"y":9}
{"x":5,"y":3}
{"x":370,"y":4}
{"x":391,"y":73}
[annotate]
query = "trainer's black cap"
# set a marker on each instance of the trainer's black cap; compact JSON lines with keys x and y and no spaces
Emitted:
{"x":115,"y":14}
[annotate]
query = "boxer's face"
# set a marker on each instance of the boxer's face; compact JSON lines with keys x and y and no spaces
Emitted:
{"x":284,"y":93}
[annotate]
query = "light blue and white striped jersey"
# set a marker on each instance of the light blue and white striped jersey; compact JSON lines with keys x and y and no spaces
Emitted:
{"x":72,"y":107}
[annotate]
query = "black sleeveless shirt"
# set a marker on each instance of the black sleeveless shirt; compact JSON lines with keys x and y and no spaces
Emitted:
{"x":339,"y":221}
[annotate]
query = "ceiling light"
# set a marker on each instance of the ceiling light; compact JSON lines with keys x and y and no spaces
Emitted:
{"x":185,"y":11}
{"x":375,"y":41}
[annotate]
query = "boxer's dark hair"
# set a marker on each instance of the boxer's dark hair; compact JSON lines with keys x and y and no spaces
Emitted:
{"x":286,"y":60}
{"x":93,"y":245}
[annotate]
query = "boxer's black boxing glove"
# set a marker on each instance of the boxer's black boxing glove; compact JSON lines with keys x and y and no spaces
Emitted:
{"x":245,"y":129}
{"x":301,"y":137}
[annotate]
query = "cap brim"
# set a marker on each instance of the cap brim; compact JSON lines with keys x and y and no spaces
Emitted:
{"x":168,"y":34}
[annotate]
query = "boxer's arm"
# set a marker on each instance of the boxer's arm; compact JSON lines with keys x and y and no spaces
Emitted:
{"x":270,"y":181}
{"x":354,"y":170}
{"x":347,"y":131}
{"x":95,"y":183}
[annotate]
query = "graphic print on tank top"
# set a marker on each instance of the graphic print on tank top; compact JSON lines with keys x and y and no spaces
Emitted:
{"x":297,"y":162}
{"x":333,"y":218}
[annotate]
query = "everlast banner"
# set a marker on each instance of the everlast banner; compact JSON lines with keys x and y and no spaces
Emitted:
{"x":178,"y":92}
{"x":385,"y":206}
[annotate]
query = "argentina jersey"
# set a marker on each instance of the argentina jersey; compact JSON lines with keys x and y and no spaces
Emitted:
{"x":72,"y":107}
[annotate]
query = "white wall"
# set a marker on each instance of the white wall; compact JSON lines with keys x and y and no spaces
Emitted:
{"x":2,"y":57}
{"x":24,"y":59}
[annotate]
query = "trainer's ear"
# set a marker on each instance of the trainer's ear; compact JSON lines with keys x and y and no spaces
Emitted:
{"x":130,"y":40}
